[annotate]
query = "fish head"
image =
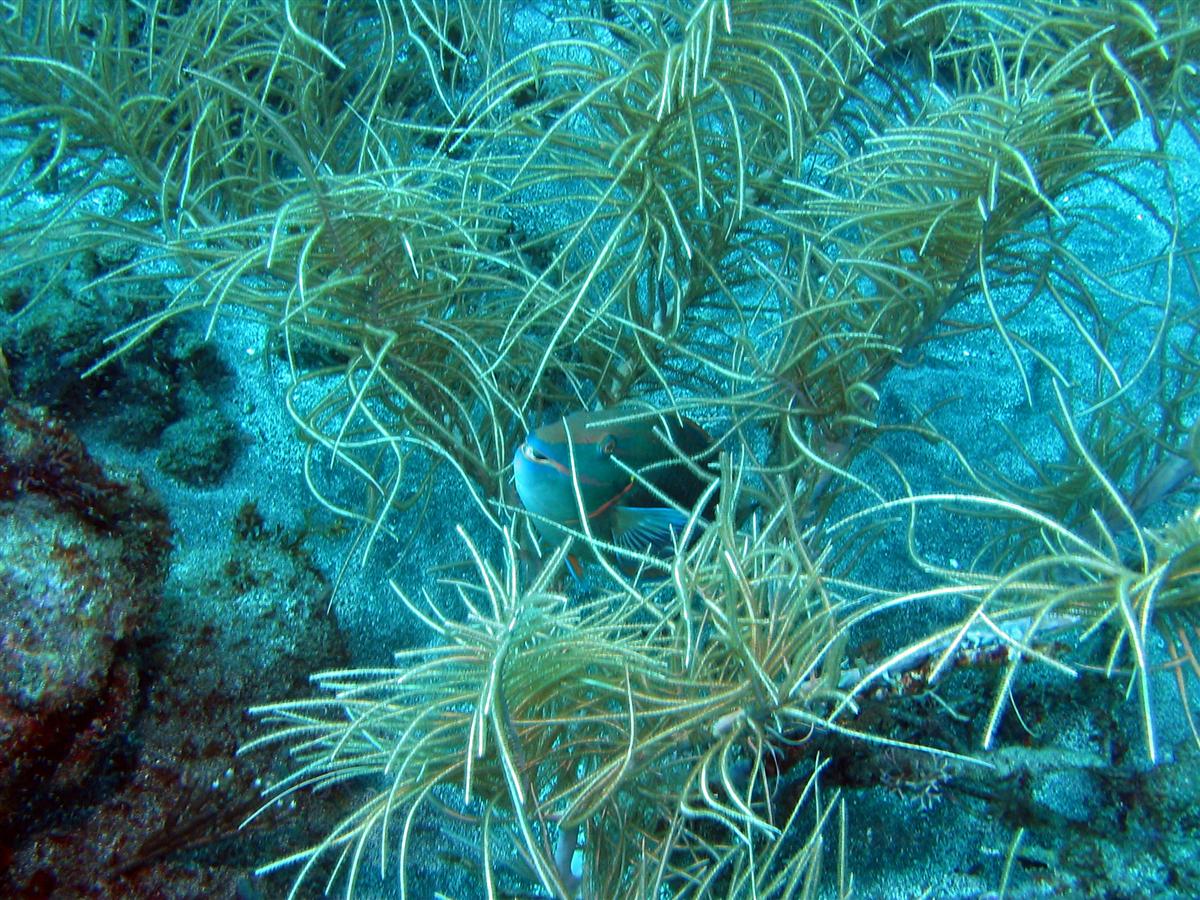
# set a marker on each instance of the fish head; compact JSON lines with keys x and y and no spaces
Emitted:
{"x":546,"y":481}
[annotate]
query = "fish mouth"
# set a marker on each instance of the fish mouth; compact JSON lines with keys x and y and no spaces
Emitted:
{"x":533,"y":454}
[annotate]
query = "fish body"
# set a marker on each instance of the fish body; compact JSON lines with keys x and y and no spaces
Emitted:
{"x":619,"y":507}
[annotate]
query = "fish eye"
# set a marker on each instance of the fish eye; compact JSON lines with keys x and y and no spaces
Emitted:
{"x":608,"y":446}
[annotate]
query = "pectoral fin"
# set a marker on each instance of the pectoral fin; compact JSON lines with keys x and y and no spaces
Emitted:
{"x":647,"y":527}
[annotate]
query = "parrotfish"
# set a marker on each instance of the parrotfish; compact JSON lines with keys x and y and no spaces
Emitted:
{"x":620,"y":507}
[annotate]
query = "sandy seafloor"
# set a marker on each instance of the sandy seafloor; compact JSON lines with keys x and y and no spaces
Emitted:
{"x":898,"y":848}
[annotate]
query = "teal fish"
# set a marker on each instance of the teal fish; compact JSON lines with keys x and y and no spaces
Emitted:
{"x":620,"y":508}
